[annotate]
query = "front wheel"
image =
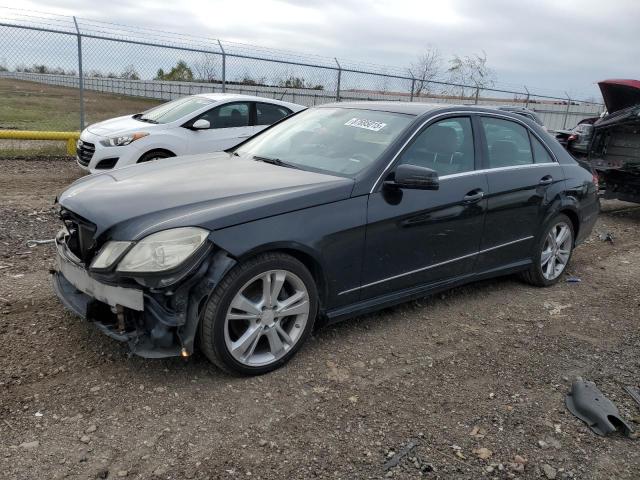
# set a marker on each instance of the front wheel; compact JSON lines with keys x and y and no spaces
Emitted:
{"x":259,"y":315}
{"x":155,"y":155}
{"x":552,"y":252}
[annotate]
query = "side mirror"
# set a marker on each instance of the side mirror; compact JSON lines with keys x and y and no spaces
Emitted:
{"x":414,"y":177}
{"x":201,"y":124}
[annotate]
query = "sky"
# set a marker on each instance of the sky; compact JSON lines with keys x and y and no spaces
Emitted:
{"x":550,"y":46}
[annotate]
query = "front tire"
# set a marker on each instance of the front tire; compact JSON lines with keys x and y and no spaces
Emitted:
{"x":552,"y":252}
{"x":155,"y":155}
{"x":259,"y":315}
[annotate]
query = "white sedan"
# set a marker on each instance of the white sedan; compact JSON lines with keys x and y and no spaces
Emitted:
{"x":196,"y":124}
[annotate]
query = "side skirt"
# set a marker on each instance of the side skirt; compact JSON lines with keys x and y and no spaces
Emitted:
{"x":419,"y":291}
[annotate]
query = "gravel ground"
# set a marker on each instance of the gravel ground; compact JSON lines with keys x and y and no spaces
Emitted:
{"x":470,"y":382}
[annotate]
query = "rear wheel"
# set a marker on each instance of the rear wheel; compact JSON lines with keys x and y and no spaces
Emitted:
{"x":552,"y":253}
{"x":155,"y":155}
{"x":259,"y":315}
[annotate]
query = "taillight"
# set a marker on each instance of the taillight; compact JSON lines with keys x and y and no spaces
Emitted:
{"x":596,"y":180}
{"x":572,"y":138}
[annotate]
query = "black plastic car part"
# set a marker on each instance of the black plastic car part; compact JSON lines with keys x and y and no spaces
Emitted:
{"x":588,"y":403}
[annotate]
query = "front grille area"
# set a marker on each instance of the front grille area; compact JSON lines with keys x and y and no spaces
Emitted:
{"x":85,"y":151}
{"x":80,"y":240}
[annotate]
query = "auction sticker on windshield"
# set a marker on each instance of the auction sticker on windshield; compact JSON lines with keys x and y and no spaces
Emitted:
{"x":366,"y":124}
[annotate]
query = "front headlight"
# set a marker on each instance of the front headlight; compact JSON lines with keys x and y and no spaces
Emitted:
{"x":123,"y":139}
{"x":163,"y":250}
{"x":109,"y":254}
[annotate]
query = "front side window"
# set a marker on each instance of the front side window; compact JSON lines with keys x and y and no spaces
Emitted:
{"x":174,"y":110}
{"x":342,"y":141}
{"x":230,"y":115}
{"x":507,"y":142}
{"x":445,"y":146}
{"x":268,"y":113}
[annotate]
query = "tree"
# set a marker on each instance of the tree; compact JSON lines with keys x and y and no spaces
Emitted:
{"x":130,"y":73}
{"x":180,"y":73}
{"x":293,"y":82}
{"x":297,"y":82}
{"x":206,"y":69}
{"x":471,"y":71}
{"x":428,"y":68}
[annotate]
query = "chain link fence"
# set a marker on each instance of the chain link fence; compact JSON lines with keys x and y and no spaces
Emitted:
{"x":63,"y":73}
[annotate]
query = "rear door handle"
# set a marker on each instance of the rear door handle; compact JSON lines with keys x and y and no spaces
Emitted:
{"x":473,"y":196}
{"x":546,"y":180}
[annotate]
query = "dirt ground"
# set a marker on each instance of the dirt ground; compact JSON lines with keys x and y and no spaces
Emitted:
{"x":474,"y":378}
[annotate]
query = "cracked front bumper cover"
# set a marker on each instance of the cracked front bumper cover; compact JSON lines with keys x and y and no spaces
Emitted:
{"x":111,"y":295}
{"x":158,"y":323}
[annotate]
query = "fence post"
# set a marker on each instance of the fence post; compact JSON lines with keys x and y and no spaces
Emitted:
{"x":339,"y":78}
{"x":413,"y":87}
{"x":224,"y":67}
{"x":566,"y":112}
{"x":80,"y":75}
{"x":526,"y":105}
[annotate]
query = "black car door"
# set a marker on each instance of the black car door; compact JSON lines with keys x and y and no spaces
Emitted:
{"x":419,"y":237}
{"x":521,"y":173}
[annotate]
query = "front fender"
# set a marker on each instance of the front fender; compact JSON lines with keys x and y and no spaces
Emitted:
{"x":162,"y":141}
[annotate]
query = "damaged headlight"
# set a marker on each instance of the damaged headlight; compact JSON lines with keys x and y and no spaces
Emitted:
{"x":163,"y":250}
{"x":109,"y":254}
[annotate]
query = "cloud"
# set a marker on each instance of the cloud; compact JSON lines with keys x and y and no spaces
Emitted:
{"x":547,"y":45}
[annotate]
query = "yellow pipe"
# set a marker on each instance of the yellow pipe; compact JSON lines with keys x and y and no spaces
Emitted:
{"x":69,"y":137}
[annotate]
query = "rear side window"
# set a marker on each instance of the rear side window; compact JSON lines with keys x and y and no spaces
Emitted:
{"x":540,"y":154}
{"x":507,"y":142}
{"x":267,"y":113}
{"x":445,"y":146}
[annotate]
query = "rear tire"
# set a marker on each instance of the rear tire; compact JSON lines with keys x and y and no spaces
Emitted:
{"x":155,"y":155}
{"x":552,"y":252}
{"x":259,"y":315}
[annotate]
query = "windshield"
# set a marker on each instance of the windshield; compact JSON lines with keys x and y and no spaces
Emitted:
{"x":341,"y":141}
{"x":174,"y":110}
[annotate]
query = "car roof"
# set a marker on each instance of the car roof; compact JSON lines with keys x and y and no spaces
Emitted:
{"x":219,"y":97}
{"x":410,"y":108}
{"x":512,"y":108}
{"x":419,"y":109}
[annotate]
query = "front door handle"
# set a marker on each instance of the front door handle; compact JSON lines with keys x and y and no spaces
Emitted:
{"x":546,"y":180}
{"x":473,"y":196}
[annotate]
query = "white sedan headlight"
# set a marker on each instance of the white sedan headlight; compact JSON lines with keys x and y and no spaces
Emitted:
{"x":163,"y":250}
{"x":123,"y":139}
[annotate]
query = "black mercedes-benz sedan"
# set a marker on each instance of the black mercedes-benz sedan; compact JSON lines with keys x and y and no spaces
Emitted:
{"x":338,"y":210}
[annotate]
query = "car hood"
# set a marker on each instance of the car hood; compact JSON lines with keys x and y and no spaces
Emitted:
{"x":620,"y":94}
{"x":212,"y":191}
{"x":120,"y":125}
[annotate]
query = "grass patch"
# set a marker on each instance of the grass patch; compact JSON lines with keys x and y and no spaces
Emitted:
{"x":40,"y":107}
{"x":36,"y":106}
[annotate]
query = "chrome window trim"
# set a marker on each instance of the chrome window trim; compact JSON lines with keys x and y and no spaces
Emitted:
{"x":468,"y":113}
{"x":498,"y":169}
{"x":418,"y":270}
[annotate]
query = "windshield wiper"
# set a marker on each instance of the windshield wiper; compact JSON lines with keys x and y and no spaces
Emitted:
{"x":274,"y":161}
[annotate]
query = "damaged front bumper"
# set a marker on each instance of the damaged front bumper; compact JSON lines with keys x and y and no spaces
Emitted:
{"x":155,"y":323}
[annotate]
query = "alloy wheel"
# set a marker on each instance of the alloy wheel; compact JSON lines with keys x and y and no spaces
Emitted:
{"x":266,"y":318}
{"x":556,"y":251}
